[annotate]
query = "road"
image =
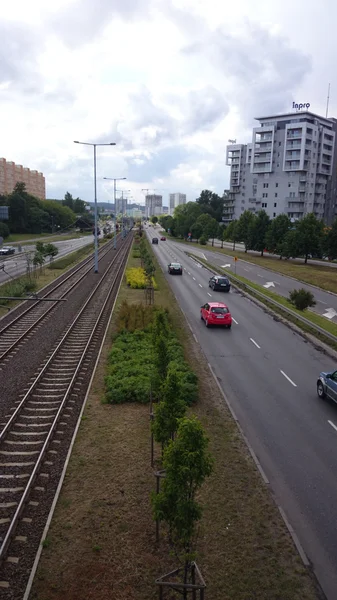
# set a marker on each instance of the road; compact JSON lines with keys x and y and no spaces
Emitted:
{"x":15,"y":265}
{"x":326,"y":303}
{"x":269,"y":375}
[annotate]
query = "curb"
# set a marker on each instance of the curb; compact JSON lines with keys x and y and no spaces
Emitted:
{"x":65,"y":467}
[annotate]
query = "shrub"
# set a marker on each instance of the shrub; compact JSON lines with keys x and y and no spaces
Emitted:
{"x":136,"y":278}
{"x":17,"y":288}
{"x":4,"y":230}
{"x":203,"y":240}
{"x":302,"y":298}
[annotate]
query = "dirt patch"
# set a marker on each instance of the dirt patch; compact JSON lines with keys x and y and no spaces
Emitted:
{"x":101,"y":543}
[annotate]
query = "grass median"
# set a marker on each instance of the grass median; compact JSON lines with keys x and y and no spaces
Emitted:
{"x":322,"y":276}
{"x":101,"y":543}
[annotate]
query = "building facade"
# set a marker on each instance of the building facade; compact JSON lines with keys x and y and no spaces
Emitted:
{"x":10,"y":174}
{"x":175,"y":200}
{"x":153,"y":205}
{"x":121,"y":206}
{"x":287,"y":168}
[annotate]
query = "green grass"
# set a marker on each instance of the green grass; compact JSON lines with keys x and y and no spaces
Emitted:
{"x":324,"y":277}
{"x":308,"y":314}
{"x":25,"y":238}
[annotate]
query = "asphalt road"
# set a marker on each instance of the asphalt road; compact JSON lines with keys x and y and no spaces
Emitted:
{"x":15,"y":265}
{"x":326,"y":303}
{"x":269,"y":375}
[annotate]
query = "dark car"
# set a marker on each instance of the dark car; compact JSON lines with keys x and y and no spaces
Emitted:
{"x":154,"y":240}
{"x":175,"y":269}
{"x":6,"y":250}
{"x":163,"y":239}
{"x":221,"y":283}
{"x":327,"y":385}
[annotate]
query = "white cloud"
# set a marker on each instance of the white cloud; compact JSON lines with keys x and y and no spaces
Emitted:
{"x":170,"y":82}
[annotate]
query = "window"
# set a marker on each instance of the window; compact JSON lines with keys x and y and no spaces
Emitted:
{"x":276,"y":184}
{"x":274,"y":214}
{"x":243,"y":179}
{"x":275,"y":194}
{"x":275,"y":204}
{"x":265,"y":195}
{"x":292,"y":195}
{"x":279,"y":143}
{"x":289,"y":184}
{"x":264,"y":204}
{"x":265,"y":185}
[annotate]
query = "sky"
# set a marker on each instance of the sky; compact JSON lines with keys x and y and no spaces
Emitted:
{"x":169,"y":81}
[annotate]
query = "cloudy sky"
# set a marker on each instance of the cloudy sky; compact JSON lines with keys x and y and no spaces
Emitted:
{"x":170,"y":81}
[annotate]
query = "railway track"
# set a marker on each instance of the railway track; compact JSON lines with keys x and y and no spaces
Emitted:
{"x":40,"y":427}
{"x":21,"y":327}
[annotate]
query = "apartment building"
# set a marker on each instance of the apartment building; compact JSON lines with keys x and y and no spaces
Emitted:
{"x":175,"y":200}
{"x":10,"y":174}
{"x":153,"y":205}
{"x":121,"y":206}
{"x":287,"y":168}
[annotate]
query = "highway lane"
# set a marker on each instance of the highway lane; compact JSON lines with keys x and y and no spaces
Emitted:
{"x":16,"y":264}
{"x":280,"y":284}
{"x":269,"y":375}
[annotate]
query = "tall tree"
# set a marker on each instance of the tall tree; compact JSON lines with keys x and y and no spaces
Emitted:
{"x":211,"y":203}
{"x":330,"y":242}
{"x":257,"y":232}
{"x":309,"y":234}
{"x":276,"y":234}
{"x":243,"y":225}
{"x":68,"y":201}
{"x":232,"y":233}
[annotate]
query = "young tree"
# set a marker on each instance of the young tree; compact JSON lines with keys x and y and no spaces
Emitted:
{"x":187,"y":463}
{"x":196,"y":230}
{"x":154,"y":220}
{"x":232,"y":233}
{"x":243,"y":225}
{"x":257,"y":231}
{"x":168,"y":412}
{"x":221,"y":234}
{"x":213,"y":230}
{"x":309,"y":234}
{"x":4,"y":230}
{"x":276,"y":234}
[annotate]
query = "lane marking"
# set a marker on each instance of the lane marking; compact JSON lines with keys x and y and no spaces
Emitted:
{"x":332,"y":425}
{"x":209,"y":294}
{"x":184,"y":268}
{"x":246,"y":269}
{"x":235,"y":321}
{"x":204,"y":256}
{"x":194,"y":278}
{"x":321,"y":302}
{"x":254,"y":342}
{"x":286,"y":376}
{"x":260,"y":275}
{"x":277,"y":282}
{"x":195,"y":337}
{"x":188,"y":272}
{"x":200,"y":285}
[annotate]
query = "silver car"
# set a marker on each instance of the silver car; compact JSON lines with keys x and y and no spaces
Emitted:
{"x":327,"y":385}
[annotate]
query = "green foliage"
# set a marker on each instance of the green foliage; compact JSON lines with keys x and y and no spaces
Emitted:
{"x":302,"y":298}
{"x":4,"y":230}
{"x":203,"y":240}
{"x":154,"y":220}
{"x":76,"y":205}
{"x":46,"y":250}
{"x":330,"y":242}
{"x":18,"y":287}
{"x":231,"y":233}
{"x":211,"y":204}
{"x":134,"y":316}
{"x":243,"y":227}
{"x":257,"y":232}
{"x":309,"y":236}
{"x":170,"y":409}
{"x":136,"y":278}
{"x":276,"y":234}
{"x":187,"y":463}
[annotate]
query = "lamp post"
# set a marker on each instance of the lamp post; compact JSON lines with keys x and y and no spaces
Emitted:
{"x":95,"y":189}
{"x":114,"y":179}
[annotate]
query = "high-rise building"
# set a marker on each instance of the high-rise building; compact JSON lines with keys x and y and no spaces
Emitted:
{"x":175,"y":200}
{"x":121,"y":206}
{"x":153,"y":205}
{"x":10,"y":174}
{"x":287,"y":168}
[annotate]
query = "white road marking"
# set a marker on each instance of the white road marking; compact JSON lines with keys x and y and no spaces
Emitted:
{"x":194,"y":278}
{"x":195,"y":337}
{"x":235,"y":321}
{"x":188,"y":272}
{"x":204,"y":256}
{"x":269,"y":284}
{"x":200,"y":285}
{"x":254,"y":342}
{"x":332,"y":425}
{"x":290,"y":380}
{"x":246,"y":269}
{"x":321,"y":302}
{"x":330,"y":313}
{"x":209,"y":294}
{"x":184,"y":268}
{"x":225,"y":266}
{"x":277,"y":282}
{"x":260,"y":275}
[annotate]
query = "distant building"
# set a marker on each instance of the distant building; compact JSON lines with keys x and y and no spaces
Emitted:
{"x":175,"y":200}
{"x":153,"y":205}
{"x":121,"y":206}
{"x":11,"y":174}
{"x":288,"y":168}
{"x":165,"y":210}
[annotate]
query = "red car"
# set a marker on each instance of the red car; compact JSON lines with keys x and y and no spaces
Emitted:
{"x":216,"y":313}
{"x":163,"y":239}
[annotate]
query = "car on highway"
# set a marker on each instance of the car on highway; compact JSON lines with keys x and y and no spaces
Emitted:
{"x":327,"y":385}
{"x":7,"y":250}
{"x":216,"y":313}
{"x":219,"y":282}
{"x":154,"y":240}
{"x":163,"y":239}
{"x":175,"y":269}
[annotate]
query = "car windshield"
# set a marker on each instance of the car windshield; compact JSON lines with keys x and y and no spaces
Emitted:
{"x":176,"y":265}
{"x":222,"y":280}
{"x":220,"y":310}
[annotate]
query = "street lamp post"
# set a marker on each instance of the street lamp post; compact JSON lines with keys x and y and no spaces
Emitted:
{"x":114,"y":179}
{"x":95,"y":189}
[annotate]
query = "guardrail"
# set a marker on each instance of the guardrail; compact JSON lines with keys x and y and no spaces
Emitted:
{"x":240,"y":284}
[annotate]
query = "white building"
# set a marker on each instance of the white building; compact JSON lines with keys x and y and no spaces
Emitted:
{"x":286,"y":169}
{"x":153,"y":205}
{"x":175,"y":200}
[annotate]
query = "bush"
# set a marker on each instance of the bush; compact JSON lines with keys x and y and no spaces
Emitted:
{"x":136,"y":278}
{"x":301,"y":298}
{"x":203,"y":240}
{"x":4,"y":230}
{"x":18,"y":288}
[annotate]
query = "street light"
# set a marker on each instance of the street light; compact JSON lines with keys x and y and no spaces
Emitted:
{"x":95,"y":187}
{"x":114,"y":179}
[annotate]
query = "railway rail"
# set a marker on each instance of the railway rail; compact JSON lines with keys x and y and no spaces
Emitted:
{"x":40,"y":427}
{"x":21,"y":327}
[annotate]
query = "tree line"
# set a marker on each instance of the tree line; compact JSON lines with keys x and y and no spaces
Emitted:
{"x":28,"y":214}
{"x":200,"y":221}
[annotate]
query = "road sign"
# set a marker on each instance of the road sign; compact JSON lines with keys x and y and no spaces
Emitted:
{"x":235,"y":258}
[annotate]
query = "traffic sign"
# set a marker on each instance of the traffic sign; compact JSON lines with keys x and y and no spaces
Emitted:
{"x":235,"y":258}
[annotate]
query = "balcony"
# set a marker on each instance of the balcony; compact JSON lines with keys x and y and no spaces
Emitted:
{"x":252,"y":200}
{"x":264,"y":147}
{"x":294,"y":134}
{"x":295,"y":208}
{"x":293,"y":144}
{"x":264,"y":140}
